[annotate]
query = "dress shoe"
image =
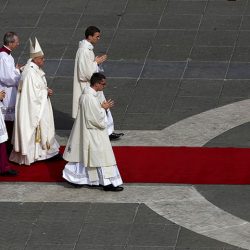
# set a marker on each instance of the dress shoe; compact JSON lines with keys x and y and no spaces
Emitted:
{"x":75,"y":185}
{"x":10,"y":172}
{"x":112,"y":188}
{"x":115,"y":136}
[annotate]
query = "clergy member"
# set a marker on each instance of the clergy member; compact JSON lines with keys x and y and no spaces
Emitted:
{"x":5,"y":169}
{"x":9,"y":78}
{"x":34,"y":130}
{"x":86,"y":63}
{"x":89,"y":152}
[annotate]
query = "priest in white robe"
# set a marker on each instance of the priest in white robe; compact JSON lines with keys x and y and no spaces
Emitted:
{"x":9,"y":78}
{"x":89,"y":152}
{"x":86,"y":63}
{"x":34,"y":130}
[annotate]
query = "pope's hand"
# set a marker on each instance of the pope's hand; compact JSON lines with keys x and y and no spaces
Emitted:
{"x":50,"y":92}
{"x":108,"y":104}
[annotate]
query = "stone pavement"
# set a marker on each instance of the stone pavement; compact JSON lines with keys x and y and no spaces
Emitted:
{"x":179,"y":73}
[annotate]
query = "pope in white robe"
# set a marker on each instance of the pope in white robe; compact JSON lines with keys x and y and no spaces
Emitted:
{"x":89,"y":151}
{"x":34,"y":130}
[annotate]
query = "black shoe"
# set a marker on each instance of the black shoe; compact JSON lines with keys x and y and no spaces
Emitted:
{"x":112,"y":188}
{"x":115,"y":136}
{"x":75,"y":185}
{"x":57,"y":157}
{"x":10,"y":172}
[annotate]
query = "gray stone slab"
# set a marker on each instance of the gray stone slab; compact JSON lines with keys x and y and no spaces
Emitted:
{"x":216,"y":38}
{"x":243,"y":39}
{"x":200,"y":87}
{"x":59,"y":6}
{"x":59,"y":20}
{"x":180,"y":22}
{"x":104,"y":234}
{"x":208,"y":53}
{"x":50,"y":247}
{"x":185,"y":7}
{"x":96,"y":7}
{"x":50,"y":67}
{"x":122,"y":69}
{"x":238,"y":137}
{"x":136,"y":21}
{"x":169,"y":53}
{"x":193,"y":104}
{"x":27,"y":6}
{"x":239,"y":71}
{"x":188,"y":238}
{"x":117,"y":213}
{"x":219,"y":22}
{"x":62,"y":85}
{"x":226,"y":8}
{"x":231,"y":198}
{"x":236,"y":88}
{"x":209,"y":70}
{"x":175,"y":37}
{"x":241,"y":54}
{"x":227,"y":100}
{"x":99,"y":247}
{"x":66,"y":68}
{"x":150,"y":248}
{"x":145,"y":7}
{"x":145,"y":215}
{"x":101,"y":21}
{"x":53,"y":36}
{"x":153,"y":235}
{"x":20,"y":20}
{"x":163,"y":69}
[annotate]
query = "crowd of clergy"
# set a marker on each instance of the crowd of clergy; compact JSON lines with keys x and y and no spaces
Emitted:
{"x":27,"y":130}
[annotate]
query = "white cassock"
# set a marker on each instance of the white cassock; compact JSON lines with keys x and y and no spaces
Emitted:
{"x":9,"y":77}
{"x":3,"y":131}
{"x":89,"y":151}
{"x":85,"y":67}
{"x":34,"y":130}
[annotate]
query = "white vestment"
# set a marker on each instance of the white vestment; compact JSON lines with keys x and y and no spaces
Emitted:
{"x":89,"y":151}
{"x":34,"y":130}
{"x":85,"y":66}
{"x":9,"y":77}
{"x":3,"y":131}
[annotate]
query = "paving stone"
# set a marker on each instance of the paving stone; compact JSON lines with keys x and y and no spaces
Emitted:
{"x":241,"y":54}
{"x":27,"y":6}
{"x":180,"y":22}
{"x":175,"y":37}
{"x":243,"y":39}
{"x":208,"y":53}
{"x":238,"y":71}
{"x":185,"y":7}
{"x":59,"y":6}
{"x":236,"y":88}
{"x":150,"y":248}
{"x":50,"y":247}
{"x":66,"y":68}
{"x":218,"y":22}
{"x":135,"y":21}
{"x":209,"y":70}
{"x":226,"y":8}
{"x":104,"y":234}
{"x":153,"y":235}
{"x":163,"y":69}
{"x":145,"y":7}
{"x":216,"y":38}
{"x":99,"y":247}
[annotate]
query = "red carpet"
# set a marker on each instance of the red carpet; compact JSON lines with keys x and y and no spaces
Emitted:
{"x":160,"y":165}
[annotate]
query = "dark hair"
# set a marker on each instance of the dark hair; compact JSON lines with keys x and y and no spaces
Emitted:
{"x":9,"y":37}
{"x":90,"y":31}
{"x":96,"y":78}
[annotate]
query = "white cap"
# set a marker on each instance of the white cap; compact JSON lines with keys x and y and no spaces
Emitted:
{"x":35,"y":50}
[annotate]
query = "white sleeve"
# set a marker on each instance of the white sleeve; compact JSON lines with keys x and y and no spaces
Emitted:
{"x":9,"y":75}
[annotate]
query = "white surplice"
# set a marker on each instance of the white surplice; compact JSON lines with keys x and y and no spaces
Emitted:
{"x":9,"y":77}
{"x":85,"y":67}
{"x":34,"y":130}
{"x":89,"y":151}
{"x":3,"y":131}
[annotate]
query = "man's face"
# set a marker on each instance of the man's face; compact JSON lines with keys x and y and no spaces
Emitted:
{"x":39,"y":61}
{"x":101,"y":85}
{"x":13,"y":45}
{"x":95,"y":38}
